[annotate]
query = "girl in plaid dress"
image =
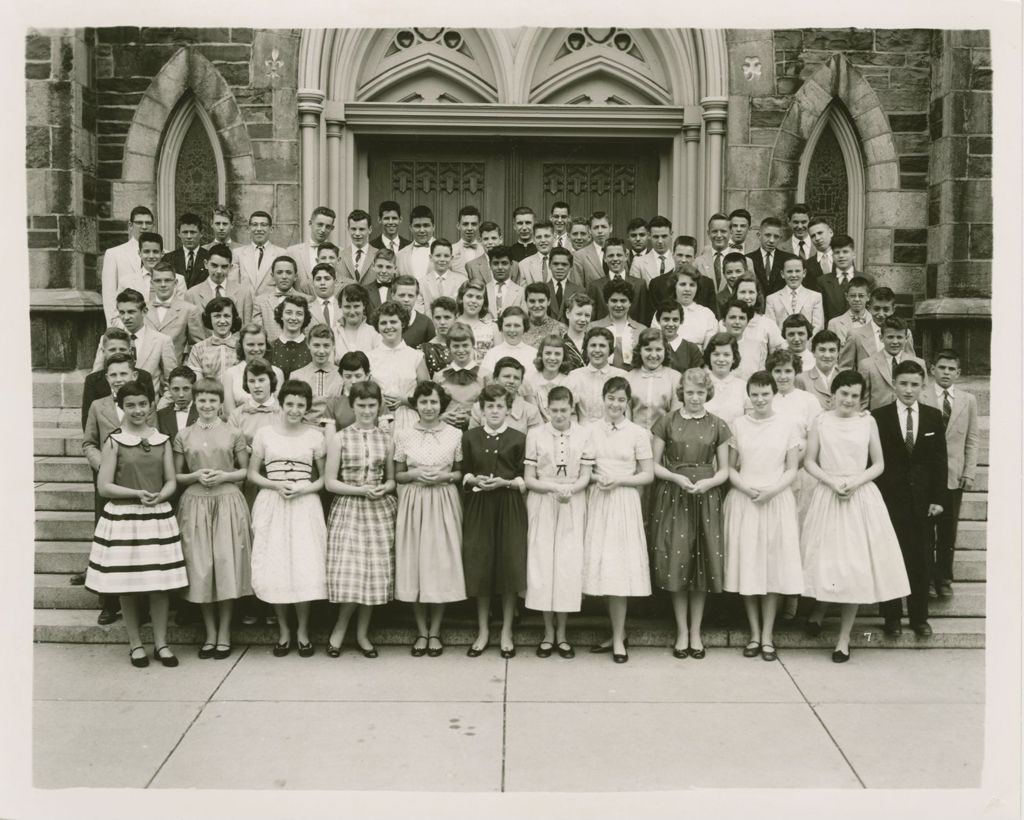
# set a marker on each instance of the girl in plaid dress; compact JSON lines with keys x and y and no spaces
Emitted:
{"x":361,"y":524}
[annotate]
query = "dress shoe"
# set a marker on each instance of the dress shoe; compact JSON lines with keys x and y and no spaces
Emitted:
{"x":306,"y":650}
{"x":419,"y":651}
{"x":508,"y":653}
{"x":167,"y":660}
{"x":698,"y":654}
{"x":433,"y":651}
{"x":768,"y":652}
{"x":752,"y":649}
{"x":565,"y":650}
{"x":922,"y":630}
{"x":812,"y":628}
{"x":681,"y":654}
{"x":77,"y":580}
{"x":282,"y":649}
{"x":369,"y":653}
{"x":473,"y":652}
{"x":107,"y":617}
{"x":945,"y":590}
{"x":620,"y":658}
{"x":544,"y":649}
{"x":222,"y":651}
{"x":840,"y":657}
{"x":206,"y":651}
{"x":140,"y":661}
{"x":892,"y":629}
{"x":333,"y":651}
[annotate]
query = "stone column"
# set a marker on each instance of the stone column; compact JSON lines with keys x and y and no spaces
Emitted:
{"x":691,"y":139}
{"x":715,"y":115}
{"x":334,"y":114}
{"x":311,"y":104}
{"x":958,"y":310}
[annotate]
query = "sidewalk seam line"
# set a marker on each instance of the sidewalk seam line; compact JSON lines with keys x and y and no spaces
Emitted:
{"x":828,"y":732}
{"x":192,"y":722}
{"x":504,"y":727}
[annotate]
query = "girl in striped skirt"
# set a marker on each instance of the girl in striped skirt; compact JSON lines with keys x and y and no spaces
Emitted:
{"x":137,"y":546}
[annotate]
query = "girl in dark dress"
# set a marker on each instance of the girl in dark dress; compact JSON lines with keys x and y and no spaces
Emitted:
{"x":289,"y":351}
{"x":494,"y":516}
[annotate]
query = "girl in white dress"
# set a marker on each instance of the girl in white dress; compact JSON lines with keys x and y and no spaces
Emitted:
{"x":289,"y":547}
{"x":559,"y":461}
{"x":762,"y":555}
{"x":395,"y":366}
{"x":252,"y":344}
{"x":721,"y":358}
{"x":851,"y":554}
{"x":653,"y":383}
{"x":615,"y":561}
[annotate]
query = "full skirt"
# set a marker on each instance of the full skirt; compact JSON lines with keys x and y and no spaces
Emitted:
{"x":428,"y":544}
{"x":494,"y":542}
{"x":361,"y":550}
{"x":289,"y":548}
{"x":762,"y":545}
{"x":615,"y":551}
{"x":554,"y":555}
{"x":217,"y":542}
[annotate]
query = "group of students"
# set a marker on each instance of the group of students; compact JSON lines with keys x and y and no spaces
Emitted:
{"x":540,"y":453}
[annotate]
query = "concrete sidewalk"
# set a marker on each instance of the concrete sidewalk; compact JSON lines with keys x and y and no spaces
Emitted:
{"x":459,"y":724}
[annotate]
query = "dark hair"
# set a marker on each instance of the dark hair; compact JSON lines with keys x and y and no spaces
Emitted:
{"x":841,"y":240}
{"x":440,"y":243}
{"x":907,"y":366}
{"x":286,"y":259}
{"x":722,"y":340}
{"x":819,"y":220}
{"x":614,"y":384}
{"x":500,"y":252}
{"x":295,"y":387}
{"x":353,"y":292}
{"x":771,"y":222}
{"x":467,"y":285}
{"x":781,"y":357}
{"x":131,"y":295}
{"x":762,"y":378}
{"x":559,"y":203}
{"x":797,"y":208}
{"x":406,"y":280}
{"x":603,"y":332}
{"x":327,"y":246}
{"x":620,"y":287}
{"x":667,"y":306}
{"x":297,"y":301}
{"x":189,"y":218}
{"x":358,"y":215}
{"x":615,"y":242}
{"x":134,"y":388}
{"x":634,"y":223}
{"x":946,"y":353}
{"x":823,"y":337}
{"x":323,"y":266}
{"x":688,"y":241}
{"x":259,"y":367}
{"x":797,"y":320}
{"x":388,"y":205}
{"x":513,"y":310}
{"x":717,"y":217}
{"x":522,"y":209}
{"x":748,"y":310}
{"x":894,"y":323}
{"x":138,"y":210}
{"x":384,"y":255}
{"x":221,"y":250}
{"x":320,"y":332}
{"x":119,"y":358}
{"x":659,"y":222}
{"x":544,"y":224}
{"x":508,"y":361}
{"x":206,"y":385}
{"x":223,"y":210}
{"x":561,"y":393}
{"x":324,"y":211}
{"x":392,"y":308}
{"x":860,"y":282}
{"x":489,"y":227}
{"x":354,"y":360}
{"x":444,"y":303}
{"x":578,"y":299}
{"x":151,"y":236}
{"x":217,"y":304}
{"x":421,"y":212}
{"x":882,"y":294}
{"x":848,"y":378}
{"x":469,"y":210}
{"x":734,"y":256}
{"x":181,"y":372}
{"x":426,"y":388}
{"x":494,"y":392}
{"x":599,"y":215}
{"x":365,"y":390}
{"x":645,"y":337}
{"x":740,"y":212}
{"x":558,"y":250}
{"x":263,"y":214}
{"x":118,"y":333}
{"x":551,"y":340}
{"x":539,"y":288}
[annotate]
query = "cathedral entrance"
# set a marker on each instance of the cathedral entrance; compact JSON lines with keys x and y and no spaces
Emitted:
{"x":499,"y":174}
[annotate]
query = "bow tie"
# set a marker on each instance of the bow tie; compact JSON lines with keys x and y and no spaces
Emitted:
{"x":161,"y":304}
{"x":257,"y":408}
{"x":215,"y":341}
{"x":735,"y":248}
{"x":859,"y":321}
{"x":471,"y":247}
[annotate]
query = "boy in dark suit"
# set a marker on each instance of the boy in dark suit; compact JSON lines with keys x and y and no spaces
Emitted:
{"x":769,"y":258}
{"x":913,"y":487}
{"x":178,"y":415}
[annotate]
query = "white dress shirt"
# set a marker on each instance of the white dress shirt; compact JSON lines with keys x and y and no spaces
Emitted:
{"x":362,"y":256}
{"x":182,"y":417}
{"x":901,"y":414}
{"x":419,"y":258}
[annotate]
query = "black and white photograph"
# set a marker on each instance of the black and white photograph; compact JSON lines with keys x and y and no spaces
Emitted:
{"x":516,"y":405}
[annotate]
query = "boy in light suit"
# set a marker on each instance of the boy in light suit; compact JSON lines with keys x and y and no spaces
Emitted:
{"x":122,"y":267}
{"x":879,"y":369}
{"x":795,"y":298}
{"x":856,"y":315}
{"x":219,"y":283}
{"x":502,"y":292}
{"x":960,"y":415}
{"x":264,"y":307}
{"x":866,"y":340}
{"x":256,"y":259}
{"x":440,"y":279}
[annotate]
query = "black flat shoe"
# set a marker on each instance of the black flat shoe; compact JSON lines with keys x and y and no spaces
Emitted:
{"x":138,"y":663}
{"x":207,"y":651}
{"x":222,"y":651}
{"x":473,"y":652}
{"x":306,"y":650}
{"x":565,"y":650}
{"x":840,"y":657}
{"x":431,"y":651}
{"x":620,"y":658}
{"x":813,"y":629}
{"x":333,"y":651}
{"x":681,"y":654}
{"x":603,"y":649}
{"x":698,"y":654}
{"x":768,"y":652}
{"x":508,"y":653}
{"x":107,"y":617}
{"x":77,"y":580}
{"x":369,"y":653}
{"x":282,"y":649}
{"x":419,"y":651}
{"x":544,"y":649}
{"x":167,"y":660}
{"x":752,"y":649}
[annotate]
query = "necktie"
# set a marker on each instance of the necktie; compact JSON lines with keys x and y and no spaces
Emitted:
{"x":768,"y":263}
{"x":359,"y":257}
{"x":188,"y":265}
{"x":661,"y":266}
{"x":319,"y":382}
{"x":543,"y":269}
{"x":947,"y":407}
{"x":392,"y":244}
{"x":558,"y":298}
{"x":327,"y":312}
{"x":895,"y":361}
{"x":826,"y":263}
{"x":718,"y":269}
{"x":909,"y":440}
{"x":803,"y":253}
{"x":792,"y":301}
{"x":497,"y":295}
{"x":220,"y":291}
{"x":259,"y":257}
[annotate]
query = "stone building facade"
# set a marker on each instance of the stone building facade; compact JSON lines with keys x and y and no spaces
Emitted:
{"x":887,"y":131}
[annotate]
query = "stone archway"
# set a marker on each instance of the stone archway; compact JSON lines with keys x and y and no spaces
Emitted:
{"x":186,"y":70}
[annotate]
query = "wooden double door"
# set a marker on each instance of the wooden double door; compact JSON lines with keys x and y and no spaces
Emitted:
{"x":498,"y":175}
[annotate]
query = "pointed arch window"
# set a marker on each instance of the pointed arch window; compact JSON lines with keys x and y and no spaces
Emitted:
{"x":832,"y":176}
{"x":191,"y":174}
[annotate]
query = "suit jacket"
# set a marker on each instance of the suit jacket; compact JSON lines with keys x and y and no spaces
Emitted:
{"x":263,"y":312}
{"x":154,"y":353}
{"x":512,"y":295}
{"x":99,"y":424}
{"x":459,"y":255}
{"x":183,"y":322}
{"x":587,"y":266}
{"x":814,"y":383}
{"x":812,"y":279}
{"x":860,"y":345}
{"x":616,"y":359}
{"x":770,"y":281}
{"x":300,"y":253}
{"x":877,"y":372}
{"x":833,"y":294}
{"x":843,"y":326}
{"x":705,"y":263}
{"x":961,"y":433}
{"x":568,"y":289}
{"x":429,"y":289}
{"x":347,"y":272}
{"x":808,"y":303}
{"x":122,"y":268}
{"x":316,"y":310}
{"x":239,"y":293}
{"x":420,"y":330}
{"x":648,"y":266}
{"x":638,"y":310}
{"x":378,"y":242}
{"x":531,"y":270}
{"x":95,"y":386}
{"x":911,"y":481}
{"x":167,"y":421}
{"x":258,"y":278}
{"x":479,"y":270}
{"x":685,"y":356}
{"x":178,"y":258}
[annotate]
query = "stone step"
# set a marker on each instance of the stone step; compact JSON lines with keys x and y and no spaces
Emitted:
{"x":63,"y":468}
{"x":981,"y":479}
{"x":972,"y":535}
{"x":969,"y":565}
{"x":974,"y":506}
{"x":53,"y":591}
{"x":52,"y":525}
{"x":57,"y":417}
{"x":64,"y":496}
{"x":63,"y":556}
{"x":56,"y":441}
{"x":79,"y":626}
